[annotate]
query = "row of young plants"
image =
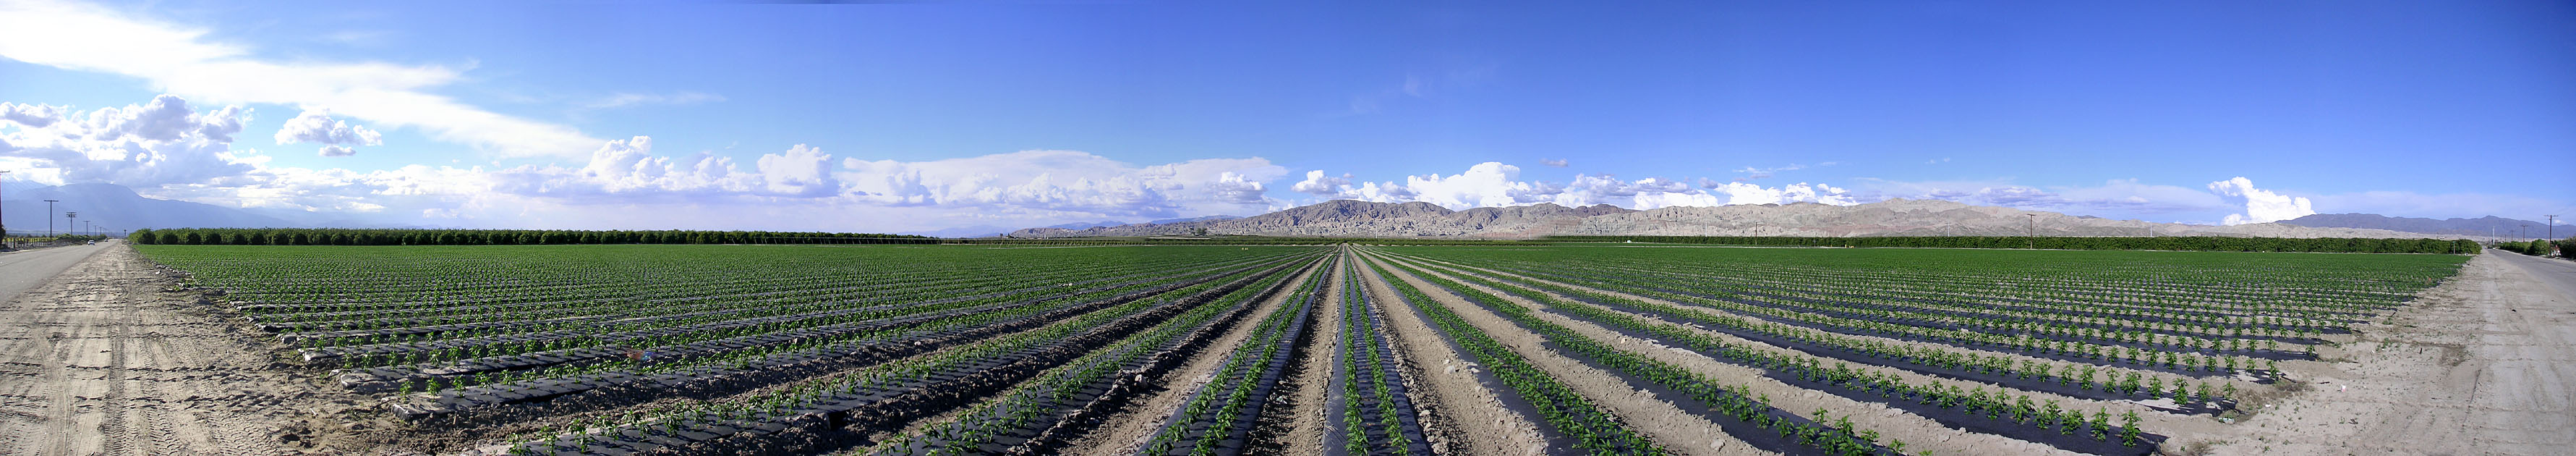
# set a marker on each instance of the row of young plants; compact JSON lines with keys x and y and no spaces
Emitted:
{"x":835,"y":406}
{"x":1368,"y":407}
{"x":2067,"y":379}
{"x":1884,"y":297}
{"x":2000,"y":410}
{"x":1588,"y":428}
{"x":850,"y":342}
{"x":2087,"y":346}
{"x":1219,"y":417}
{"x":1037,"y":415}
{"x":1725,"y":402}
{"x":2208,"y":312}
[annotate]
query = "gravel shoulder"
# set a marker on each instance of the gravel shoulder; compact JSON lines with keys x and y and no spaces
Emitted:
{"x":105,"y":359}
{"x":2482,"y":364}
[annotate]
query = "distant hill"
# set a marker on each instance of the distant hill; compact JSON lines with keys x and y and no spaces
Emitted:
{"x":1210,"y":218}
{"x":1899,"y":217}
{"x":2482,"y":226}
{"x":118,"y":207}
{"x":1362,"y":218}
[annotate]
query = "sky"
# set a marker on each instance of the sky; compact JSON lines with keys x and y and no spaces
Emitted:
{"x":916,"y":116}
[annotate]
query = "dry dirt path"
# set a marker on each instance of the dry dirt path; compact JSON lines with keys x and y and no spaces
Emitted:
{"x":103,"y":360}
{"x":2482,"y":364}
{"x":24,"y":269}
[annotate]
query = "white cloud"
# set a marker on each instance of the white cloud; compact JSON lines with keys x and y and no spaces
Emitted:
{"x":634,"y":99}
{"x":1069,"y":182}
{"x":181,"y":61}
{"x":1319,"y":184}
{"x":2260,"y":205}
{"x":161,"y":142}
{"x":1553,"y":162}
{"x":802,"y":171}
{"x":31,"y":115}
{"x":1493,"y":184}
{"x":315,"y":125}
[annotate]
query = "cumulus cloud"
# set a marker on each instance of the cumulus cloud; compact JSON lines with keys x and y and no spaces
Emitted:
{"x":160,"y":142}
{"x":1043,"y":181}
{"x":31,"y":115}
{"x":1317,"y":183}
{"x":1493,"y":184}
{"x":182,"y":61}
{"x":803,"y":172}
{"x":2260,"y":205}
{"x":315,"y":125}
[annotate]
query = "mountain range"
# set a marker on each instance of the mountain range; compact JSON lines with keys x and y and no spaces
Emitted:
{"x":1897,"y":217}
{"x":2481,"y":226}
{"x":114,"y":206}
{"x":119,"y":208}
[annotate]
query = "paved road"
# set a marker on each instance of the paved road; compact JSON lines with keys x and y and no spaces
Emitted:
{"x":25,"y":269}
{"x":2559,"y":274}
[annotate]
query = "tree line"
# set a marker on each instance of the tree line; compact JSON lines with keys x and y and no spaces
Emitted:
{"x":340,"y":236}
{"x":2189,"y":243}
{"x":2541,"y":247}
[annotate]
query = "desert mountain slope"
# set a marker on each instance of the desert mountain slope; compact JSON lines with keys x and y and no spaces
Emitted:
{"x":1899,"y":217}
{"x":2482,"y":226}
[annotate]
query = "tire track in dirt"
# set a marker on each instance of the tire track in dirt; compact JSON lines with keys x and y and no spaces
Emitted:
{"x":118,"y":361}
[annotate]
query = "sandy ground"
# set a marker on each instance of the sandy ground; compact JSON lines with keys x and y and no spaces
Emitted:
{"x":103,"y":360}
{"x":2480,"y":365}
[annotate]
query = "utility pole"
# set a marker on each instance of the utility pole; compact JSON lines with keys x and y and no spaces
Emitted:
{"x":2031,"y":229}
{"x":49,"y":217}
{"x":2526,"y":230}
{"x":4,"y":222}
{"x":2553,"y":226}
{"x":74,"y":220}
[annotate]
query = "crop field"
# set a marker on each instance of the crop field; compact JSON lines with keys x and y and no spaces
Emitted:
{"x":1344,"y":350}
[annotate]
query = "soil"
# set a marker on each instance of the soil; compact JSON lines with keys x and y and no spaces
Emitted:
{"x":2482,"y":364}
{"x":1126,"y":430}
{"x":1676,"y":430}
{"x":1306,"y":428}
{"x":110,"y":357}
{"x":1920,"y":433}
{"x":1460,"y":415}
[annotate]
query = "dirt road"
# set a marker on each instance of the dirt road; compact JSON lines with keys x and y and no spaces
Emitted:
{"x":25,"y":269}
{"x":2483,"y":364}
{"x":103,"y":360}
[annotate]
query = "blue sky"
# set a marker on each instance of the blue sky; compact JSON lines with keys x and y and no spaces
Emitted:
{"x":905,"y":117}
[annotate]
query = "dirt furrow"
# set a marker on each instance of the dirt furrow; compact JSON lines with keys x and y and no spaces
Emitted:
{"x":1125,"y":431}
{"x":1895,"y":425}
{"x":1675,"y":429}
{"x":1462,"y":417}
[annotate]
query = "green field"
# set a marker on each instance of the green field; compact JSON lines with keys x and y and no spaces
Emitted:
{"x":930,"y":349}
